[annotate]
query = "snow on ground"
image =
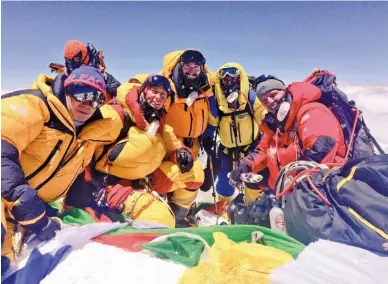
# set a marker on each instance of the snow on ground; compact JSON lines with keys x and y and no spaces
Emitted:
{"x":100,"y":263}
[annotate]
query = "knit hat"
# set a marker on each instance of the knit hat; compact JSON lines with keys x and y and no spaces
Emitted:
{"x":86,"y":75}
{"x":268,"y":85}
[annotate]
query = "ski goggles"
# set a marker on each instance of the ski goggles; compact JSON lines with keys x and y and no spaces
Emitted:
{"x":95,"y":98}
{"x":230,"y":71}
{"x":193,"y":56}
{"x":158,"y":80}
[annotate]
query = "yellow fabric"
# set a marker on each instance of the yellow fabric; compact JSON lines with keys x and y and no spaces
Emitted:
{"x":243,"y":135}
{"x":7,"y":248}
{"x":141,"y":154}
{"x":179,"y":179}
{"x":368,"y":224}
{"x":187,"y":121}
{"x":212,"y":77}
{"x":182,"y":196}
{"x":3,"y":221}
{"x":138,"y":78}
{"x":9,"y":242}
{"x":345,"y":180}
{"x":122,"y":92}
{"x":244,"y":89}
{"x":228,"y":199}
{"x":259,"y":111}
{"x":251,"y":194}
{"x":144,"y":206}
{"x":23,"y":119}
{"x":229,"y":262}
{"x":244,"y":120}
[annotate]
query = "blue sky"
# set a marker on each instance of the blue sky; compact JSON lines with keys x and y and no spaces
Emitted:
{"x":287,"y":39}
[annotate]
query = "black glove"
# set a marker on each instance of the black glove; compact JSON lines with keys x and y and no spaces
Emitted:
{"x":209,"y":145}
{"x":235,"y":175}
{"x":184,"y":160}
{"x":48,"y":230}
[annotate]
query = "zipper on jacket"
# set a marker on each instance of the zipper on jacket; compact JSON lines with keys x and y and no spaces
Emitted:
{"x":239,"y":133}
{"x":50,"y":156}
{"x":191,"y":124}
{"x":58,"y":167}
{"x":203,"y":121}
{"x":231,"y":133}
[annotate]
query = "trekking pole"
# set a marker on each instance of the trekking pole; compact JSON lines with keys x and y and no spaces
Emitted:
{"x":214,"y":186}
{"x":374,"y":141}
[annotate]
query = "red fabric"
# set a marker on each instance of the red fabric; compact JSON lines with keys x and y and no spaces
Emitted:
{"x":221,"y":207}
{"x":307,"y":120}
{"x":193,"y":185}
{"x":289,"y":154}
{"x":160,"y":182}
{"x":118,"y":193}
{"x":315,"y":74}
{"x":302,"y":94}
{"x":131,"y":100}
{"x":130,"y":242}
{"x":100,"y":218}
{"x":310,"y":127}
{"x":88,"y":175}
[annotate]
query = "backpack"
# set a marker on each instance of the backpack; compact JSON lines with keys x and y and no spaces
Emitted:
{"x":356,"y":133}
{"x":252,"y":82}
{"x":96,"y":60}
{"x":355,"y":211}
{"x":96,"y":57}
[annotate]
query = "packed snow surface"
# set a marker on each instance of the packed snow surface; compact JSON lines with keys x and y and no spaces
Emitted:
{"x":100,"y":263}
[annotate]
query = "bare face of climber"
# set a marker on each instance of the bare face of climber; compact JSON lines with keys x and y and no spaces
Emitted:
{"x":272,"y":100}
{"x":81,"y":111}
{"x":156,"y":96}
{"x":191,"y":70}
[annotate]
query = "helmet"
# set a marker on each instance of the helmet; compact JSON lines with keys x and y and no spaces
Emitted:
{"x":76,"y":55}
{"x":193,"y":56}
{"x":157,"y":80}
{"x":149,"y":112}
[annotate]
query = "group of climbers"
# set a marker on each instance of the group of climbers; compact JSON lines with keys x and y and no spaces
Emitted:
{"x":132,"y":147}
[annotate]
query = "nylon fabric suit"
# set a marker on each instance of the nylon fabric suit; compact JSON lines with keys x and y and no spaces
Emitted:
{"x":154,"y":156}
{"x":223,"y":117}
{"x":41,"y":152}
{"x":311,"y":132}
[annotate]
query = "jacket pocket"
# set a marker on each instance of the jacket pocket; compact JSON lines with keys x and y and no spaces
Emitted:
{"x":48,"y":159}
